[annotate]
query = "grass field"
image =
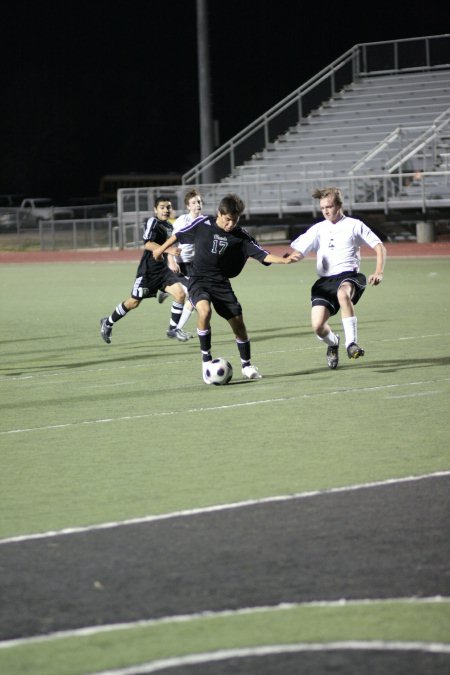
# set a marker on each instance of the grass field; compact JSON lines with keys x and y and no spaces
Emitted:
{"x":93,"y":433}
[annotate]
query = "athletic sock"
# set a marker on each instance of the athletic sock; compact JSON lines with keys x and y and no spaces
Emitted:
{"x":118,"y":313}
{"x":350,"y":325}
{"x":244,"y":351}
{"x":185,"y":315}
{"x":330,"y":339}
{"x":177,"y":308}
{"x":205,"y":339}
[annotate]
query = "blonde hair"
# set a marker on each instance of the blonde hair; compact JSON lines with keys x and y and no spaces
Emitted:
{"x":334,"y":192}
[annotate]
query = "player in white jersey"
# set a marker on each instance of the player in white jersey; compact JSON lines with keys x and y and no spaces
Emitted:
{"x":181,"y":263}
{"x":337,"y":240}
{"x":194,"y":204}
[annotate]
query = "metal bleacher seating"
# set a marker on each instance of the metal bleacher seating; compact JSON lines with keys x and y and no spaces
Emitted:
{"x":377,"y":129}
{"x":363,"y":126}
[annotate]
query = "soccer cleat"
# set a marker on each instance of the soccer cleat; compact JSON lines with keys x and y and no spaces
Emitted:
{"x":354,"y":351}
{"x":205,"y":365}
{"x":333,"y":355}
{"x":161,"y":296}
{"x":178,"y":334}
{"x":182,"y":336}
{"x":105,"y":330}
{"x":251,"y":373}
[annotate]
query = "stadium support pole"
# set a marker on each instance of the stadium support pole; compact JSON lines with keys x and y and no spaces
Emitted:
{"x":205,"y":107}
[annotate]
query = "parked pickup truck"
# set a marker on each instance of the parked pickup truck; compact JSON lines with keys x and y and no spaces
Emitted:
{"x":41,"y":208}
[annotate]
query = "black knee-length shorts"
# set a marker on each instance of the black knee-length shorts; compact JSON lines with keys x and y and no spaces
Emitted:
{"x":324,"y":291}
{"x":220,"y":294}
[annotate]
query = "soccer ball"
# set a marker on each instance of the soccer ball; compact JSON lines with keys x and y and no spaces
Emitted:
{"x":219,"y":371}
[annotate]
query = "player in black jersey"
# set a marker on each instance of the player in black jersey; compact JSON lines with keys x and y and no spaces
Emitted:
{"x":222,"y":248}
{"x":152,"y":275}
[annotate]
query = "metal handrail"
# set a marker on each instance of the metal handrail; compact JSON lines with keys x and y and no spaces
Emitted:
{"x":262,"y":122}
{"x":431,"y":134}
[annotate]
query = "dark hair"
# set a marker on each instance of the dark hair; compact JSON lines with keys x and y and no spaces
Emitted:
{"x":232,"y":205}
{"x":334,"y":192}
{"x":160,"y":199}
{"x":191,"y":193}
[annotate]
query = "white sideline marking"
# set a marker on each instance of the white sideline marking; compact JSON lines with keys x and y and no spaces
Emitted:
{"x":34,"y":376}
{"x":221,"y":407}
{"x":415,"y":337}
{"x":220,"y":507}
{"x":226,"y":654}
{"x":418,"y":393}
{"x":142,"y":416}
{"x":226,"y":613}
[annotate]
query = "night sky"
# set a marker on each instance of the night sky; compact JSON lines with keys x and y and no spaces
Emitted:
{"x":92,"y":88}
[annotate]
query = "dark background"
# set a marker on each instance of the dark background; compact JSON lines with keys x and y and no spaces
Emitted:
{"x":91,"y":88}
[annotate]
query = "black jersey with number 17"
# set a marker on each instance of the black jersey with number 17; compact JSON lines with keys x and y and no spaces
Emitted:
{"x":219,"y":254}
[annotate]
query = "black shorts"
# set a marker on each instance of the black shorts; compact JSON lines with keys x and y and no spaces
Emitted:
{"x":148,"y":285}
{"x":185,"y":268}
{"x":324,"y":291}
{"x":220,"y":294}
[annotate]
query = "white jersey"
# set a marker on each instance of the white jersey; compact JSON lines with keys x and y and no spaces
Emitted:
{"x":337,"y":244}
{"x":187,"y":250}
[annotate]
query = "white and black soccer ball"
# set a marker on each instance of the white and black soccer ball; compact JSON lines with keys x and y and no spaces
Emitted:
{"x":219,"y":371}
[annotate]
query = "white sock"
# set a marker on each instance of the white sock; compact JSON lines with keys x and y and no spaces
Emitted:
{"x":185,"y":315}
{"x":350,"y":329}
{"x":330,"y":339}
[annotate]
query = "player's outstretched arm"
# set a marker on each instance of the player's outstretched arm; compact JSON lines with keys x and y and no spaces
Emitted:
{"x":159,"y":250}
{"x":287,"y":258}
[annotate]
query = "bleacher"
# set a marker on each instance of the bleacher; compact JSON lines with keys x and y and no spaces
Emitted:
{"x":379,"y":132}
{"x":362,"y":127}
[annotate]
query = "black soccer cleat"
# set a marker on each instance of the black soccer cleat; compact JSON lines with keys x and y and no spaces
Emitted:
{"x":354,"y":351}
{"x":333,"y":355}
{"x":105,"y":330}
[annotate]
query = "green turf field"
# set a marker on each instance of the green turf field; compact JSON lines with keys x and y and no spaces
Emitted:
{"x":93,"y":433}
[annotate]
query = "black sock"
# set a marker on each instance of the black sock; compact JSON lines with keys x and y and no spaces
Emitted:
{"x":205,"y":344}
{"x":244,"y":352}
{"x":177,"y":308}
{"x":118,"y":313}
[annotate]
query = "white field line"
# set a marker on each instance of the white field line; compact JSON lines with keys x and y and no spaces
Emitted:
{"x":418,"y":393}
{"x":269,"y":650}
{"x":140,"y":366}
{"x":230,"y":406}
{"x":222,"y":507}
{"x":138,"y":417}
{"x":226,"y":613}
{"x":416,"y":337}
{"x":82,"y":371}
